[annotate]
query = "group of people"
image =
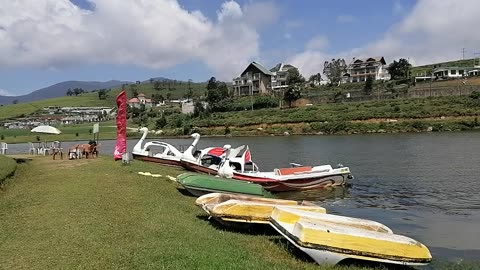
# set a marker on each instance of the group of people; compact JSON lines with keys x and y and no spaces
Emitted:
{"x":87,"y":150}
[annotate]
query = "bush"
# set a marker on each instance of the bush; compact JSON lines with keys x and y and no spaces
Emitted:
{"x":3,"y":137}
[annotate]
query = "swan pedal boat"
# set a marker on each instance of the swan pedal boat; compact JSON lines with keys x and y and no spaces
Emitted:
{"x":329,"y":239}
{"x":201,"y":184}
{"x":160,"y":152}
{"x":248,"y":209}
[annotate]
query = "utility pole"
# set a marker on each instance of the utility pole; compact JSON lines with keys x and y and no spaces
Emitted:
{"x":463,"y":53}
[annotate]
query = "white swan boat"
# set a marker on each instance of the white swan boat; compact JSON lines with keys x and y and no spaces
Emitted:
{"x":160,"y":152}
{"x":282,"y":179}
{"x":330,"y":239}
{"x":207,"y":160}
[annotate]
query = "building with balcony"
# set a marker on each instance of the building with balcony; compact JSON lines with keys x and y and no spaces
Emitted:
{"x":360,"y":69}
{"x":279,"y":78}
{"x":254,"y":80}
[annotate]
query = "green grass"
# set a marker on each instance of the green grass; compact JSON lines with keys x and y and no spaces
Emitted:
{"x":7,"y":168}
{"x":98,"y":214}
{"x":108,"y":130}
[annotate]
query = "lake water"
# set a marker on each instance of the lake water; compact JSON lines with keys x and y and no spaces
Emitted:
{"x":425,"y":186}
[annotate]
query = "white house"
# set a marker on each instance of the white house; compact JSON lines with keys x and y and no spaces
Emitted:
{"x":136,"y":102}
{"x":362,"y":68}
{"x":279,"y":78}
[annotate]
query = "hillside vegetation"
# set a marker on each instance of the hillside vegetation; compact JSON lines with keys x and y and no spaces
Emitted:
{"x":91,"y":98}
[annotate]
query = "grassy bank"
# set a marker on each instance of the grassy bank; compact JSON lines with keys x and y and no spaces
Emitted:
{"x":7,"y":168}
{"x":98,"y":214}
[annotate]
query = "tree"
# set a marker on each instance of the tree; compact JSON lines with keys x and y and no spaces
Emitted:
{"x":102,"y":94}
{"x":69,"y":92}
{"x":294,"y":77}
{"x":400,"y":69}
{"x":169,"y":95}
{"x":156,"y":85}
{"x":291,"y":95}
{"x":295,"y":82}
{"x":198,"y":109}
{"x":161,"y":122}
{"x":134,"y":90}
{"x":78,"y":91}
{"x":368,"y":85}
{"x":212,"y":83}
{"x":334,"y":70}
{"x":15,"y":101}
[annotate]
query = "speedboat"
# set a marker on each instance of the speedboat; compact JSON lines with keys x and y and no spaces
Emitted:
{"x":160,"y":152}
{"x":330,"y":239}
{"x":283,"y":179}
{"x":247,"y":209}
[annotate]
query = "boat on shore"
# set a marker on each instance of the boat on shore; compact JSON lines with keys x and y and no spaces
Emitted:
{"x":160,"y":152}
{"x":201,"y":184}
{"x":283,"y":179}
{"x":329,"y":239}
{"x":248,"y":209}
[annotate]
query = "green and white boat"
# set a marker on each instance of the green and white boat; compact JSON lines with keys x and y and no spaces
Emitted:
{"x":200,"y":184}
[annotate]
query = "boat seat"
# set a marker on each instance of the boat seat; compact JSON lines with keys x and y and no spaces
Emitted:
{"x":288,"y":171}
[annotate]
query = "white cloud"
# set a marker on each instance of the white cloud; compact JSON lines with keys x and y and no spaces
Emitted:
{"x":261,"y":14}
{"x":5,"y":93}
{"x":344,"y":18}
{"x":287,"y":36}
{"x":317,"y":43}
{"x":433,"y":31}
{"x":309,"y":62}
{"x":151,"y":33}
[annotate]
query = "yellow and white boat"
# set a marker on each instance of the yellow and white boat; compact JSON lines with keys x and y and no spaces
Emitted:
{"x":248,"y":209}
{"x":329,"y":239}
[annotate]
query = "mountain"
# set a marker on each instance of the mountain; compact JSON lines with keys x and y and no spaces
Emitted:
{"x":60,"y":90}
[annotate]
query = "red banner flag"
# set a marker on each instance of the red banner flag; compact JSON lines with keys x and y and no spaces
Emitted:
{"x":121,"y":146}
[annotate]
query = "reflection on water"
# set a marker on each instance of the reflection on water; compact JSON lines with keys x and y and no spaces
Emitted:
{"x":425,"y":186}
{"x":319,"y":195}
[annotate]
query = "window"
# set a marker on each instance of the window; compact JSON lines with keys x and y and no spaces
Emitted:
{"x":460,"y":72}
{"x":453,"y":72}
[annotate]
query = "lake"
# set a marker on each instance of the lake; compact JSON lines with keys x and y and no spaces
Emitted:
{"x":425,"y":185}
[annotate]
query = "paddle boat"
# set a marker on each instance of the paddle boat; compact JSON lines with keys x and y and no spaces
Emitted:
{"x":201,"y":184}
{"x":330,"y":239}
{"x":283,"y":179}
{"x":207,"y":160}
{"x":160,"y":152}
{"x":247,"y":209}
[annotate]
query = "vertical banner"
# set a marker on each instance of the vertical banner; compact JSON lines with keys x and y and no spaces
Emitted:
{"x":121,"y":145}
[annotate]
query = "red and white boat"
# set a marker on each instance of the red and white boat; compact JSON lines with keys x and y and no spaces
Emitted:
{"x":207,"y":160}
{"x":282,"y":179}
{"x":160,"y":152}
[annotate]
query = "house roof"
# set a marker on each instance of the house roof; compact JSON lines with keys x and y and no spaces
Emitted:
{"x":141,"y":95}
{"x":281,"y":67}
{"x":133,"y":100}
{"x":259,"y":67}
{"x":369,"y":59}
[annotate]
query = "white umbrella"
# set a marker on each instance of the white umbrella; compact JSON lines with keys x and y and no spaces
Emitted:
{"x":46,"y":129}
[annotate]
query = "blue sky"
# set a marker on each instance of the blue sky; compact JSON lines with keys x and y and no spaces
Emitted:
{"x":49,"y":41}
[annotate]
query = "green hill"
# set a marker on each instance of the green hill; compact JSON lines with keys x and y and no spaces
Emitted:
{"x":174,"y":91}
